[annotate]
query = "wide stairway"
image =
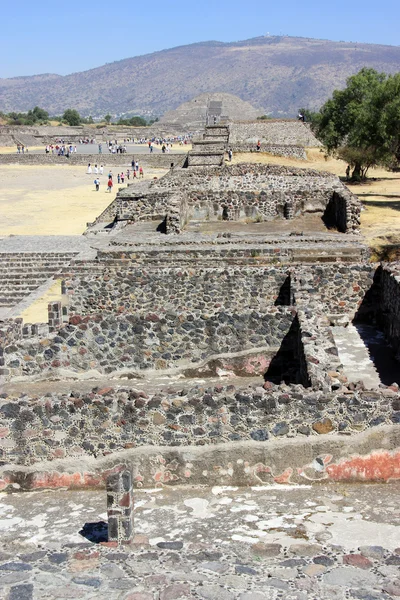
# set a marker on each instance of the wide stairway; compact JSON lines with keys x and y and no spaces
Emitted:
{"x":22,"y":273}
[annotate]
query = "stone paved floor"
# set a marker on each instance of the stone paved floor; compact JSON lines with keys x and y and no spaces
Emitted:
{"x":276,"y":542}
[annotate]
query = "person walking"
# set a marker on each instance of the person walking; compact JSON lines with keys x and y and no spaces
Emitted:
{"x":230,"y":154}
{"x":141,"y":174}
{"x":97,"y":183}
{"x":101,"y":169}
{"x":119,"y":178}
{"x":109,"y":185}
{"x":96,"y":170}
{"x":122,"y":177}
{"x":89,"y":169}
{"x":137,"y":165}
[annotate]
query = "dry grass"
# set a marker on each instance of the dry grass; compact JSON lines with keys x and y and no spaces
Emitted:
{"x":380,"y":197}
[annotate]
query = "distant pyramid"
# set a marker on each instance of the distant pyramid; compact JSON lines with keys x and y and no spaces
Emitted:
{"x":192,"y":114}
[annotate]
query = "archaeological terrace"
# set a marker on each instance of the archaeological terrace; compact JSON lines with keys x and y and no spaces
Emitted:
{"x":200,"y":413}
{"x":216,"y":306}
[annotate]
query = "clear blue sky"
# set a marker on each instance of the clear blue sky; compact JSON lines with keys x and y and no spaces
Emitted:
{"x":63,"y":37}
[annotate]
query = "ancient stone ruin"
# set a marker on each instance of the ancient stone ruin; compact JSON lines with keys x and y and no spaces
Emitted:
{"x":211,"y":333}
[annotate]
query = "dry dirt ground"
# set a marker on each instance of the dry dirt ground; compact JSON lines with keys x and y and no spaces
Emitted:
{"x":380,"y":196}
{"x":53,"y":199}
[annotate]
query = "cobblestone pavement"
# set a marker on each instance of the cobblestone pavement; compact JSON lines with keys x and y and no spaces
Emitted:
{"x":277,"y":542}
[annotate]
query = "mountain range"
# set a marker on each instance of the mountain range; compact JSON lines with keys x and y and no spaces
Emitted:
{"x":276,"y":74}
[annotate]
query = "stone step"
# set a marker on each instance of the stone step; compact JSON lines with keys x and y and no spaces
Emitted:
{"x":355,"y":357}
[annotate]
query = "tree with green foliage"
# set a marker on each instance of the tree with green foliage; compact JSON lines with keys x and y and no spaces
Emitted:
{"x":361,"y":124}
{"x":72,"y":117}
{"x":107,"y":119}
{"x":40,"y":114}
{"x":133,"y":122}
{"x":37,"y":115}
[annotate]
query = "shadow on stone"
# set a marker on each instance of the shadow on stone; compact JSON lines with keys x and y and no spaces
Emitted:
{"x":289,"y":364}
{"x":284,"y":296}
{"x":367,"y":311}
{"x":95,"y":532}
{"x":162,"y":227}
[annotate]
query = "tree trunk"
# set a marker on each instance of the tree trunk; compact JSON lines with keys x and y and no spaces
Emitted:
{"x":356,"y":175}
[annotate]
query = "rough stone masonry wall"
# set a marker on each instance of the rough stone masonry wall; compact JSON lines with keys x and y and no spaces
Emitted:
{"x":108,"y":344}
{"x":388,"y":313}
{"x":106,"y":159}
{"x":264,"y":190}
{"x":279,"y":132}
{"x":104,"y":421}
{"x":332,"y":289}
{"x":274,"y":149}
{"x":264,"y":204}
{"x":137,"y":207}
{"x":127,"y":289}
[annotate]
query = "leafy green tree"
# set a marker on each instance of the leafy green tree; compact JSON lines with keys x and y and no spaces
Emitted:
{"x":133,"y":122}
{"x":72,"y":117}
{"x":361,"y":123}
{"x":40,"y":114}
{"x":107,"y":119}
{"x":390,"y":115}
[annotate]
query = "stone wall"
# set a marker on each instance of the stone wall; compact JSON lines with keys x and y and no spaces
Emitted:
{"x":107,"y":159}
{"x":133,"y":290}
{"x":388,"y":313}
{"x":297,"y":152}
{"x":332,"y":289}
{"x":104,"y":421}
{"x":133,"y":320}
{"x":271,"y":132}
{"x":266,"y":191}
{"x":106,"y":344}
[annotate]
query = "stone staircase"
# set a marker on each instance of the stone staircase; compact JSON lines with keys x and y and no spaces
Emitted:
{"x":210,"y":151}
{"x":355,"y":357}
{"x":22,"y":273}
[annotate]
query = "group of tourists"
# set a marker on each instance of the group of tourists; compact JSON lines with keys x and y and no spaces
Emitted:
{"x":135,"y":172}
{"x":114,"y":148}
{"x":21,"y":149}
{"x":60,"y":150}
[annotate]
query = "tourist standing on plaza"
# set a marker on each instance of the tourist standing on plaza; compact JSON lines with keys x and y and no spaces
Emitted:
{"x":101,"y":169}
{"x":96,"y":170}
{"x":141,"y":174}
{"x":97,"y":184}
{"x":89,"y":169}
{"x":122,"y":177}
{"x":137,"y":166}
{"x":109,"y":184}
{"x":119,"y":178}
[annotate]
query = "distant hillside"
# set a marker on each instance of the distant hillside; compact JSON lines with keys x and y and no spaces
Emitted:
{"x":275,"y":74}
